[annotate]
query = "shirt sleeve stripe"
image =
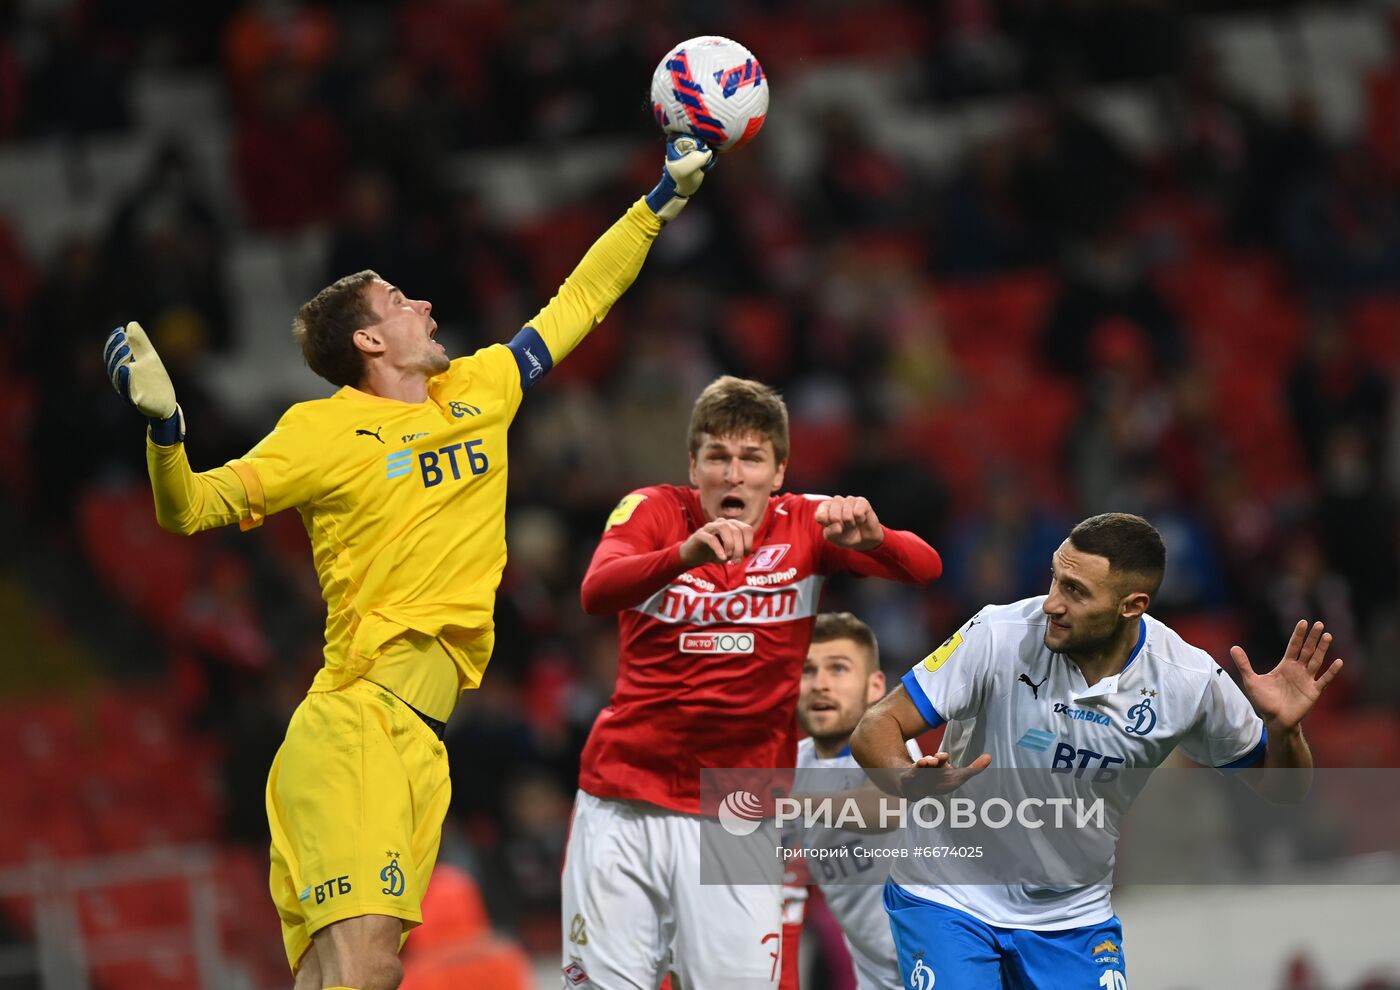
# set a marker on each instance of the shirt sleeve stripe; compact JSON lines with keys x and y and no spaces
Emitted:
{"x":257,"y":501}
{"x":921,"y":702}
{"x":1253,"y":756}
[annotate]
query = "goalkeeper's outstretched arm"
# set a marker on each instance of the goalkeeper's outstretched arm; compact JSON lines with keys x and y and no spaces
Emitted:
{"x":612,"y":263}
{"x":185,"y":502}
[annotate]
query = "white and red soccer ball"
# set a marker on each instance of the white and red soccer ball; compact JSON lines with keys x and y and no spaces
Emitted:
{"x":711,"y":88}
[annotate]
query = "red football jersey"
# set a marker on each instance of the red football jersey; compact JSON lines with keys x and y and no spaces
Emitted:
{"x":710,"y":659}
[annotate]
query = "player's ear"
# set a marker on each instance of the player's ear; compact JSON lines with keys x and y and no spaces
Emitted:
{"x":694,"y":470}
{"x":1135,"y":605}
{"x":367,"y":341}
{"x":874,"y":688}
{"x":778,"y":478}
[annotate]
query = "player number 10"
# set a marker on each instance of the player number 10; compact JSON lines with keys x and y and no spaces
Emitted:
{"x":1113,"y":980}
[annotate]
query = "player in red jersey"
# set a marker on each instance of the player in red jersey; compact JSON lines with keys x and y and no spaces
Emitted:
{"x":716,"y":588}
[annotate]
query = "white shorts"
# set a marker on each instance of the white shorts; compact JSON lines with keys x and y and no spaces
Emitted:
{"x":634,"y":908}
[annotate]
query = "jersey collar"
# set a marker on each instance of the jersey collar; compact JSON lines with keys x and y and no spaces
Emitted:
{"x":827,"y":759}
{"x":1109,"y":685}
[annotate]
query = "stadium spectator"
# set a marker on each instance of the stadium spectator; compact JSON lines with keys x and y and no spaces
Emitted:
{"x":1000,"y":549}
{"x":981,"y":227}
{"x":288,"y":153}
{"x":373,"y":230}
{"x":80,"y":84}
{"x":858,"y":186}
{"x":1341,"y":228}
{"x":1104,"y":277}
{"x":165,"y":250}
{"x":275,"y":33}
{"x":1331,"y":386}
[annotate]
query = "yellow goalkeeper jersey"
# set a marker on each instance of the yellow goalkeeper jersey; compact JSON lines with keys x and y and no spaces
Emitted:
{"x":404,"y":503}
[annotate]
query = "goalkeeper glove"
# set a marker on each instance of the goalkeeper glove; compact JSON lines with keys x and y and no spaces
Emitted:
{"x":687,"y":161}
{"x":138,"y":376}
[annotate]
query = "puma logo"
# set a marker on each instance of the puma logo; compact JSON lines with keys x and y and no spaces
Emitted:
{"x":1034,"y":686}
{"x":369,"y":433}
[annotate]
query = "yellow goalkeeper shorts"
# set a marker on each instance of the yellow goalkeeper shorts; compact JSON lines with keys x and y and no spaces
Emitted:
{"x":355,"y":802}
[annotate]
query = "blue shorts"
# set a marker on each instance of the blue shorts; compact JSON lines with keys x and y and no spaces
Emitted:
{"x":951,"y":949}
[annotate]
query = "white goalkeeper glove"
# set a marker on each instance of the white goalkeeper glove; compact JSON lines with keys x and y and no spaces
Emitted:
{"x":138,"y":376}
{"x":687,"y":161}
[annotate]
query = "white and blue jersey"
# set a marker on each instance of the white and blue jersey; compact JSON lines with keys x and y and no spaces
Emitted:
{"x":1003,"y":692}
{"x":857,"y":906}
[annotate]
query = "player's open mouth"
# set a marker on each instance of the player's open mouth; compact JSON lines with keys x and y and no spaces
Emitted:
{"x":822,"y":706}
{"x":731,"y":503}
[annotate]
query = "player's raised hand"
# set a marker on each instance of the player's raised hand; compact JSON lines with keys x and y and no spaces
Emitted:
{"x":1284,"y":695}
{"x":849,"y":521}
{"x":719,"y":541}
{"x":136,"y":372}
{"x":934,"y":774}
{"x":687,"y":161}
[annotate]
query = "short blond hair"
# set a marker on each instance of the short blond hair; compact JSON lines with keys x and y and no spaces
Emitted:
{"x":844,"y":625}
{"x":736,"y":407}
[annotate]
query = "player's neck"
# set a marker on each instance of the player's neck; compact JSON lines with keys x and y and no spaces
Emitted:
{"x":829,"y":749}
{"x":394,"y":384}
{"x":1110,"y":659}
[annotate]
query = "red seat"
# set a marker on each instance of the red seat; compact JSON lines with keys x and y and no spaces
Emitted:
{"x":557,"y":242}
{"x":1238,"y":311}
{"x":1375,"y":321}
{"x":819,"y":451}
{"x":1004,"y":313}
{"x":60,"y":838}
{"x":152,"y":570}
{"x":247,"y":920}
{"x":1357,"y":739}
{"x":174,"y":970}
{"x":1214,"y":632}
{"x":1023,"y":427}
{"x":1362,"y":800}
{"x":17,"y":400}
{"x":1251,"y":415}
{"x":142,"y":906}
{"x":759,"y":329}
{"x":1383,"y":117}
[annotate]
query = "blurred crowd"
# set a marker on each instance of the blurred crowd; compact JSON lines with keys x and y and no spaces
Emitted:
{"x":1056,"y":325}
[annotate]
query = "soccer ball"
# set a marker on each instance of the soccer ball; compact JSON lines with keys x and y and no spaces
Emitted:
{"x":711,"y":88}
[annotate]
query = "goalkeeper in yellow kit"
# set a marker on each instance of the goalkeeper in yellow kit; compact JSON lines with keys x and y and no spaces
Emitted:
{"x":400,"y":480}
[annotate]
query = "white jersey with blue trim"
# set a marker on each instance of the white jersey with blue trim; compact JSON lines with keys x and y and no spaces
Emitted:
{"x":857,"y":907}
{"x":1003,"y":691}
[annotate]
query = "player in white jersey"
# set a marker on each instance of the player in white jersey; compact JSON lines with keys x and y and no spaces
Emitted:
{"x":1079,"y":678}
{"x":840,"y":679}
